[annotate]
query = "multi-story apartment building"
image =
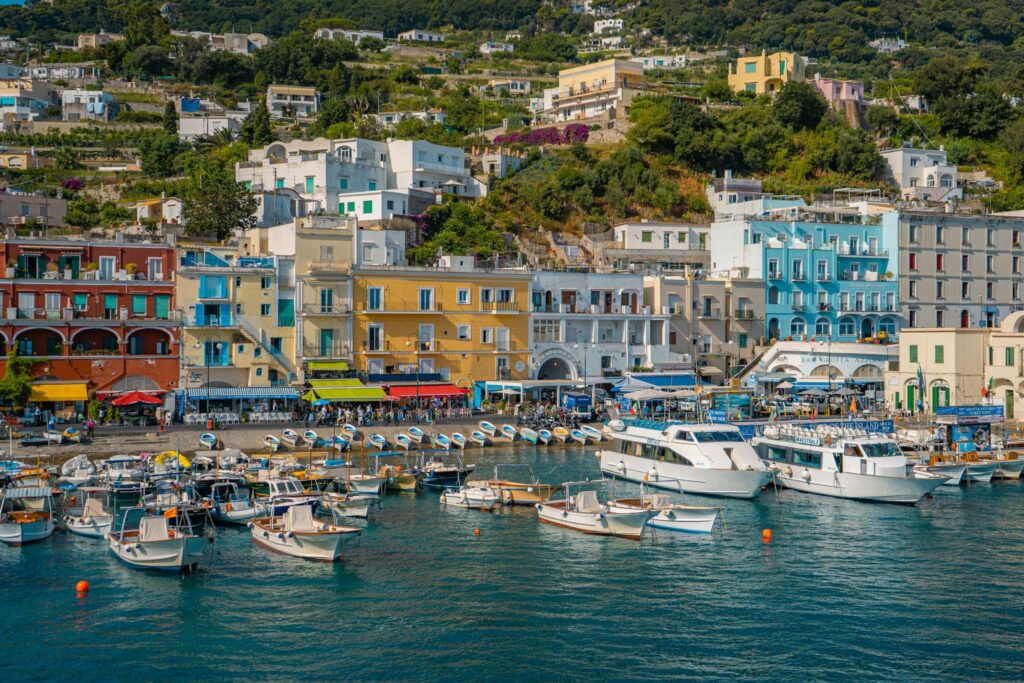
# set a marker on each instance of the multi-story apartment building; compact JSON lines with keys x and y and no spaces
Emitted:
{"x":364,"y":179}
{"x":594,"y":325}
{"x":960,"y":270}
{"x":428,"y":116}
{"x":924,"y":174}
{"x":354,"y":35}
{"x":22,"y":99}
{"x":457,"y":321}
{"x":668,"y":245}
{"x":716,"y":321}
{"x":94,"y":314}
{"x":292,"y":100}
{"x":21,"y":208}
{"x":607,"y":26}
{"x":666,"y":62}
{"x":238,"y":318}
{"x":824,"y":279}
{"x":766,"y":73}
{"x":605,"y":87}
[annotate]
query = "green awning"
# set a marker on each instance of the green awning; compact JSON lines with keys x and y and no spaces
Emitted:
{"x":337,"y":365}
{"x":332,"y":383}
{"x":347,"y":394}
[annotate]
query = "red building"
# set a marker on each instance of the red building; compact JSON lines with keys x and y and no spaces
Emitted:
{"x":96,"y":313}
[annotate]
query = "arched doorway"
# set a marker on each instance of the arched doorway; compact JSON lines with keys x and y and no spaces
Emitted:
{"x":867,"y":328}
{"x":773,"y":328}
{"x":939,"y":394}
{"x":555,"y":368}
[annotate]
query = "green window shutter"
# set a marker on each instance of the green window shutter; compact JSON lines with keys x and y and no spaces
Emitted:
{"x":351,"y":207}
{"x":81,"y":302}
{"x":139,"y":304}
{"x":286,"y":313}
{"x":367,"y":206}
{"x":940,"y":353}
{"x":279,"y":183}
{"x":1009,"y":356}
{"x":913,"y":353}
{"x":162,"y":303}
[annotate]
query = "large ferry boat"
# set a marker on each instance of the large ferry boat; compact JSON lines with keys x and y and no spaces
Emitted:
{"x":708,"y":459}
{"x":843,"y":463}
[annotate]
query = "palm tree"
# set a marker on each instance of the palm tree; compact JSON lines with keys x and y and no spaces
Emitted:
{"x":208,"y":143}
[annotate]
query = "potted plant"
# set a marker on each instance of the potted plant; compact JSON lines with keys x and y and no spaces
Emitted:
{"x":131,"y":269}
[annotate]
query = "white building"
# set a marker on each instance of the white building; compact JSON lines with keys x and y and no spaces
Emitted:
{"x":66,"y":72}
{"x":661,"y":236}
{"x":607,"y":26}
{"x":594,"y":325}
{"x":25,"y":100}
{"x":510,"y":86}
{"x":192,"y":126}
{"x":889,"y":45}
{"x":302,"y":101}
{"x":421,"y":36}
{"x":924,"y":174}
{"x":390,"y":118}
{"x":820,"y":364}
{"x":491,"y":47}
{"x":667,"y":62}
{"x":354,"y":35}
{"x":365,"y":179}
{"x":81,"y":105}
{"x":160,"y":210}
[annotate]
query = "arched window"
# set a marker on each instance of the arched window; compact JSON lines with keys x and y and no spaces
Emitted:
{"x":887,"y":325}
{"x":847,"y":327}
{"x":822,"y":327}
{"x":797,"y":327}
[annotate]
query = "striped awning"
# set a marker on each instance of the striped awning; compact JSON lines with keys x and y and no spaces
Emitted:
{"x":216,"y":393}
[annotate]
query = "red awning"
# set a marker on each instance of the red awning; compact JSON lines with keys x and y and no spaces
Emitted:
{"x":134,"y":397}
{"x":426,"y":390}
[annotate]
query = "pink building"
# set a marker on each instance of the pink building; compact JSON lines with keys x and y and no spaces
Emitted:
{"x":836,"y":92}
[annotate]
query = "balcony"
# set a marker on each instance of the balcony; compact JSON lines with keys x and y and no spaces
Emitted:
{"x":383,"y":347}
{"x":824,"y":277}
{"x":216,"y":321}
{"x":329,"y":267}
{"x":863,"y":252}
{"x":774,"y":275}
{"x":192,"y":361}
{"x":337,"y":308}
{"x":743,"y":314}
{"x":499,"y":306}
{"x":799,"y":277}
{"x":799,"y":308}
{"x":713,"y":313}
{"x":338,"y":350}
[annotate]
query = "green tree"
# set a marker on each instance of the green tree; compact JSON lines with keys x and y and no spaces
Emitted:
{"x":799,"y":106}
{"x":943,"y":76}
{"x":882,"y":119}
{"x":143,"y":24}
{"x":217,"y":205}
{"x":82,"y":212}
{"x":170,"y":119}
{"x":16,"y":384}
{"x":160,"y":155}
{"x":333,"y":110}
{"x":256,"y":130}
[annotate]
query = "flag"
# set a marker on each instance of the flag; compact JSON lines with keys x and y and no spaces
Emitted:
{"x":920,"y":380}
{"x":814,"y":414}
{"x":171,"y":513}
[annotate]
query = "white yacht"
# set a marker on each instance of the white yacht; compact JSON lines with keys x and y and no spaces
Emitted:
{"x":708,"y":459}
{"x":843,"y":463}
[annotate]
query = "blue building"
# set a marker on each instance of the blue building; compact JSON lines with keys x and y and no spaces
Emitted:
{"x":828,"y":274}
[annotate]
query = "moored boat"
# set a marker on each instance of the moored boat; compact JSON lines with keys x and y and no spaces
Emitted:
{"x":471,"y":497}
{"x":78,"y":470}
{"x":72,"y":435}
{"x":583,"y":512}
{"x":561,"y":434}
{"x":438,"y":474}
{"x":529,"y":435}
{"x":353,"y":433}
{"x":229,"y":505}
{"x":952,"y":474}
{"x":379,"y":441}
{"x":479,"y":438}
{"x":272,"y":443}
{"x":26,"y":515}
{"x":517,"y":485}
{"x":283,"y":493}
{"x":209,"y":441}
{"x":290,"y":436}
{"x":299,"y":534}
{"x":348,"y":504}
{"x":487,"y":428}
{"x":1009,"y":466}
{"x":86,"y":513}
{"x":544,"y":436}
{"x":340,"y":443}
{"x":163,"y":541}
{"x":980,"y":471}
{"x":670,"y":516}
{"x":397,"y":478}
{"x":459,"y":440}
{"x":403,"y":441}
{"x":310,"y":438}
{"x":509,"y":432}
{"x":578,"y":436}
{"x":442,"y":441}
{"x":592,"y":434}
{"x":418,"y":435}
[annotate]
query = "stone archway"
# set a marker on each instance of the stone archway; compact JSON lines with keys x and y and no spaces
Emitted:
{"x":555,"y":367}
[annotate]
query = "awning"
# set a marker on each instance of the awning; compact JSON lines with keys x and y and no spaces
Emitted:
{"x":329,"y":383}
{"x":667,"y":380}
{"x":346,"y":394}
{"x":709,"y":370}
{"x":74,"y":391}
{"x":327,"y":365}
{"x":426,"y":390}
{"x":773,"y":377}
{"x":225,"y":393}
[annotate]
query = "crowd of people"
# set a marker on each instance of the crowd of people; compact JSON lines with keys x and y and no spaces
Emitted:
{"x":381,"y":414}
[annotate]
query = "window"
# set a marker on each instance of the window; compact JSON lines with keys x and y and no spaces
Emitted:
{"x":81,"y":302}
{"x":462,"y":297}
{"x":822,"y":328}
{"x":372,"y":185}
{"x":681,"y":237}
{"x":965,"y":236}
{"x":309,"y":184}
{"x":545,"y":330}
{"x":505,"y":295}
{"x":139,"y":304}
{"x":426,"y":299}
{"x":266,"y":282}
{"x":368,"y":206}
{"x":939,"y":319}
{"x":486,"y":295}
{"x":990,"y":262}
{"x":914,"y":161}
{"x":374,"y":337}
{"x":913,"y":233}
{"x":276,"y":344}
{"x":940,"y":262}
{"x":259,"y":372}
{"x":990,"y":290}
{"x":797,"y":270}
{"x":1016,"y":290}
{"x":965,"y":263}
{"x":107,"y":266}
{"x":741,"y":341}
{"x":350,"y":207}
{"x":912,"y":287}
{"x":912,"y":319}
{"x":1009,"y":357}
{"x":965,"y":289}
{"x":797,"y":327}
{"x":912,"y":260}
{"x":279,"y":183}
{"x":343,"y":183}
{"x":750,"y":68}
{"x":52,"y":301}
{"x":486,"y":335}
{"x":155,"y":269}
{"x":940,"y":289}
{"x":465,"y":333}
{"x":913,"y":353}
{"x":846,"y":327}
{"x":940,"y":353}
{"x":940,"y":238}
{"x":646,"y":236}
{"x":264,"y":309}
{"x":375,"y":298}
{"x":990,"y":237}
{"x":1015,"y":264}
{"x":391,"y":205}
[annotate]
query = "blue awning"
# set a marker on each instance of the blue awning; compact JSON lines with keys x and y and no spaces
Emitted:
{"x":670,"y":381}
{"x":225,"y":393}
{"x":805,"y":384}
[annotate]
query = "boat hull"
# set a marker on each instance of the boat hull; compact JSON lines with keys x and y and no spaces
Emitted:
{"x":320,"y":547}
{"x":90,"y":527}
{"x":1009,"y":469}
{"x":743,"y":484}
{"x":522,"y":493}
{"x":235,"y":515}
{"x":365,"y":485}
{"x":173,"y":554}
{"x":906,"y":491}
{"x":13,"y":533}
{"x":472,"y":500}
{"x":349,"y":506}
{"x":682,"y":518}
{"x":954,"y":474}
{"x":621,"y":525}
{"x":980,"y":472}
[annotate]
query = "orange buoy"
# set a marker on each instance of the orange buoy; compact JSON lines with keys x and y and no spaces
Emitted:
{"x":766,"y":535}
{"x":476,"y":531}
{"x":82,"y":587}
{"x":398,"y":468}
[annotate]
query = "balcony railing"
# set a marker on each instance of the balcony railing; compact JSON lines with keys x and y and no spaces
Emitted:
{"x":225,"y":321}
{"x":330,"y":266}
{"x":193,"y":361}
{"x":743,"y":314}
{"x":499,"y":306}
{"x":326,"y":350}
{"x":710,"y":313}
{"x":337,"y":308}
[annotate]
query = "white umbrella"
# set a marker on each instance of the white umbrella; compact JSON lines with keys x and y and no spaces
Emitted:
{"x":647,"y":395}
{"x":812,"y":392}
{"x":785,"y":384}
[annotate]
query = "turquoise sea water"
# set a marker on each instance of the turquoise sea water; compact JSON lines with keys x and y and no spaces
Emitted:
{"x":845,"y":590}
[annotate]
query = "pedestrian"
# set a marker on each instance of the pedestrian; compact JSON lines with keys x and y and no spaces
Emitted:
{"x":38,"y":416}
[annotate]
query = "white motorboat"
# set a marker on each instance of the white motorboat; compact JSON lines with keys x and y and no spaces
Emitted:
{"x":85,"y":512}
{"x":584,"y":513}
{"x":951,"y":474}
{"x":479,"y":438}
{"x":509,"y":432}
{"x":442,"y":441}
{"x":518,"y":485}
{"x":26,"y":515}
{"x":670,"y":516}
{"x":310,"y":438}
{"x":283,"y":493}
{"x":348,"y":504}
{"x":379,"y":441}
{"x":459,"y":440}
{"x":842,"y":463}
{"x":229,"y":505}
{"x":472,"y":497}
{"x":78,"y":470}
{"x":418,"y":435}
{"x":487,"y":428}
{"x":1008,"y":466}
{"x":592,"y":434}
{"x":980,"y":471}
{"x":299,"y":534}
{"x":272,"y":443}
{"x":544,"y":436}
{"x":360,"y":482}
{"x":529,"y":435}
{"x":353,"y":433}
{"x":164,"y":541}
{"x":711,"y":460}
{"x":404,"y":441}
{"x":290,"y":436}
{"x":119,"y":469}
{"x":578,"y":436}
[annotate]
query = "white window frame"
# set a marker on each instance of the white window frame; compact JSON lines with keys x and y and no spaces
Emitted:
{"x":419,"y":299}
{"x":463,"y":297}
{"x":487,"y":336}
{"x":464,"y":332}
{"x":380,"y":306}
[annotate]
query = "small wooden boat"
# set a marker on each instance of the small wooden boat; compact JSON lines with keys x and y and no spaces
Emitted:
{"x":509,"y":432}
{"x":209,"y":441}
{"x":584,"y":513}
{"x":578,"y":436}
{"x":670,"y":516}
{"x":290,"y":436}
{"x":518,"y":485}
{"x":487,"y":428}
{"x":310,"y":438}
{"x":379,"y":442}
{"x":593,"y":434}
{"x":544,"y":436}
{"x":72,"y":434}
{"x":85,"y":512}
{"x":479,"y":438}
{"x":442,"y":441}
{"x":471,"y":497}
{"x":340,"y":443}
{"x":78,"y":470}
{"x":352,"y":432}
{"x":403,"y":441}
{"x":348,"y":504}
{"x":26,"y":515}
{"x":164,"y":541}
{"x":459,"y":440}
{"x":272,"y":443}
{"x":53,"y":436}
{"x":299,"y":534}
{"x":418,"y":435}
{"x":561,"y":434}
{"x":529,"y":435}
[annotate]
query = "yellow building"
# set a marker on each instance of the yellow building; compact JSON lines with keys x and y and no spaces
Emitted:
{"x":24,"y":160}
{"x":238,"y":320}
{"x":766,"y":73}
{"x":593,"y":89}
{"x":458,"y":321}
{"x":950,"y":360}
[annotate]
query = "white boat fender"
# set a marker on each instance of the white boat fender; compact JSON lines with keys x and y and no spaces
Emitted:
{"x":598,"y":516}
{"x":621,"y":466}
{"x":529,"y":489}
{"x":788,"y":471}
{"x":651,"y":474}
{"x":806,"y":474}
{"x":538,"y":506}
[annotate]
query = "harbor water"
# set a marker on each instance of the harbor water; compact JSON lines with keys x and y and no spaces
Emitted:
{"x":845,"y":589}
